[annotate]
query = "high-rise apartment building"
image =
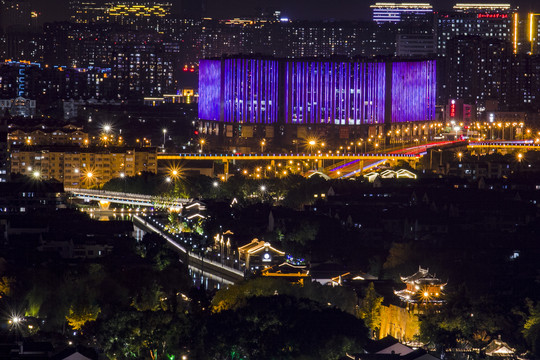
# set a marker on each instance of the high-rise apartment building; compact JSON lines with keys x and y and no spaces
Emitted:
{"x":479,"y":70}
{"x":416,"y":45}
{"x":118,"y":11}
{"x":384,"y":12}
{"x":87,"y":11}
{"x":532,"y":33}
{"x":485,"y":20}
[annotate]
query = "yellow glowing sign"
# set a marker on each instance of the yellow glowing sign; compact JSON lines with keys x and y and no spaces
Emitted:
{"x":515,"y":32}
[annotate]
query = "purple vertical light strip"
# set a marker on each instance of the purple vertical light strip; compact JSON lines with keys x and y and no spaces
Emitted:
{"x":333,"y":76}
{"x":263,"y":94}
{"x":245,"y":93}
{"x":305,"y":78}
{"x":433,"y":85}
{"x":369,"y":86}
{"x":250,"y":89}
{"x":413,"y":92}
{"x":302,"y":105}
{"x":226,"y":94}
{"x":209,"y":89}
{"x":287,"y":92}
{"x":382,"y":90}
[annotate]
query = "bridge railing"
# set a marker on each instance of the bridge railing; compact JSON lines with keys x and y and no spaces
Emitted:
{"x":286,"y":155}
{"x":167,"y":237}
{"x":139,"y":198}
{"x":108,"y":193}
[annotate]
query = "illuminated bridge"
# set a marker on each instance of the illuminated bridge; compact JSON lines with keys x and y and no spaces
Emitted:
{"x":343,"y":165}
{"x":124,"y":198}
{"x":511,"y":145}
{"x":230,"y":157}
{"x":341,"y":158}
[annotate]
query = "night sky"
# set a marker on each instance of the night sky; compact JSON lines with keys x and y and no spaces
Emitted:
{"x":295,"y":9}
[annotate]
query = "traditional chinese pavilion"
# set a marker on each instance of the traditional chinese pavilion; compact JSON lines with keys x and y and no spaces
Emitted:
{"x":422,"y":288}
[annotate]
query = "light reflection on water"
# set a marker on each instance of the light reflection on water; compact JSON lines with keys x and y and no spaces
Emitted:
{"x":108,"y":215}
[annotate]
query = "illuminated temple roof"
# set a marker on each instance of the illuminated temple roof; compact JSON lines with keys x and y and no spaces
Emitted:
{"x":422,"y":277}
{"x":422,"y":288}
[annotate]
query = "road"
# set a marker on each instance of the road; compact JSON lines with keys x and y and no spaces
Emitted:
{"x":209,"y":268}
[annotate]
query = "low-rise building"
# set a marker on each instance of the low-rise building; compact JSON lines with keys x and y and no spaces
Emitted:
{"x":42,"y":135}
{"x":22,"y":197}
{"x":83,"y":167}
{"x":259,"y":254}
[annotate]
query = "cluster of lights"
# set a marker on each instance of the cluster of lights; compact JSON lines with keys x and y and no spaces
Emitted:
{"x":128,"y":9}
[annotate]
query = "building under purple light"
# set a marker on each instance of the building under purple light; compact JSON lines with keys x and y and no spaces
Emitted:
{"x":209,"y":89}
{"x":250,"y":91}
{"x":413,"y":91}
{"x":261,"y":91}
{"x":340,"y":93}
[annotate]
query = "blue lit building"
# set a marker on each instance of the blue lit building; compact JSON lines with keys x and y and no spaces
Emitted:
{"x":386,"y":12}
{"x":239,"y":96}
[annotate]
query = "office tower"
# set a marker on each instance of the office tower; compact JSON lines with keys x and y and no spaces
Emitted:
{"x":396,"y":12}
{"x":488,"y":21}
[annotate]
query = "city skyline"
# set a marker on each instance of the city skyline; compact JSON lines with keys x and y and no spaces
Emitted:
{"x":55,"y":10}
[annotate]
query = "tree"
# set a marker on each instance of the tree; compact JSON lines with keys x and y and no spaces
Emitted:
{"x":400,"y":253}
{"x":148,"y":297}
{"x":135,"y":334}
{"x":236,"y":296}
{"x":370,"y":309}
{"x":463,"y":318}
{"x":283,"y":327}
{"x":5,"y":285}
{"x":531,"y":328}
{"x":80,"y":314}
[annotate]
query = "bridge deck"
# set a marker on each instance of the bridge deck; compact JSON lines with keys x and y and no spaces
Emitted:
{"x":504,"y":145}
{"x":229,"y":157}
{"x":124,"y":198}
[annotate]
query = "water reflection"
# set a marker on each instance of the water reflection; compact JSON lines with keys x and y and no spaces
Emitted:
{"x":109,"y":215}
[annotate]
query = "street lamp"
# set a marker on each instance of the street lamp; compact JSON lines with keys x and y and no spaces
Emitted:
{"x":460,"y":155}
{"x":263,"y":142}
{"x":456,"y":129}
{"x":164,"y":133}
{"x":123,"y":177}
{"x":202,"y":142}
{"x":311,"y":144}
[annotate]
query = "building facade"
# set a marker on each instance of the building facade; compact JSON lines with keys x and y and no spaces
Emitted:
{"x":396,"y":12}
{"x":484,"y":21}
{"x":269,"y":91}
{"x":82,"y":167}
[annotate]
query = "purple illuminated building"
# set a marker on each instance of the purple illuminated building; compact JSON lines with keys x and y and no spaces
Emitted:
{"x":413,"y":91}
{"x":209,"y":89}
{"x":250,"y":91}
{"x":340,"y":93}
{"x":261,"y":91}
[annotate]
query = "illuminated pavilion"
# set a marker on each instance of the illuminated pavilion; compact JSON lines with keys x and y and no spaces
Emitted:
{"x":422,"y":288}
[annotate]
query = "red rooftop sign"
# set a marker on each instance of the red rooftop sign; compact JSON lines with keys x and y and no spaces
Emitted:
{"x":493,"y":16}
